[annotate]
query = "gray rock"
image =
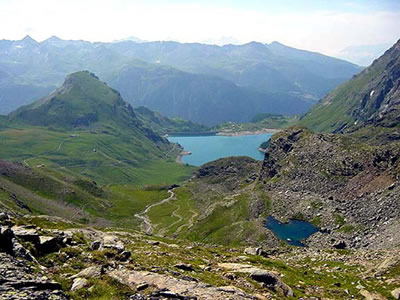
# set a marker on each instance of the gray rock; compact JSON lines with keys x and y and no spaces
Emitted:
{"x":19,"y":251}
{"x":19,"y":281}
{"x":26,"y":233}
{"x":252,"y":251}
{"x":396,"y":293}
{"x":90,"y":272}
{"x":113,"y":242}
{"x":142,"y":286}
{"x":125,"y":255}
{"x":95,"y":245}
{"x":272,"y":281}
{"x":340,"y":245}
{"x":79,"y":283}
{"x":6,"y":239}
{"x":48,"y":244}
{"x":184,"y":267}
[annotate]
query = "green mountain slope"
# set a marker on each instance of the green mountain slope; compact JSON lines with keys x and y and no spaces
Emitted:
{"x":164,"y":125}
{"x":200,"y":98}
{"x":86,"y":128}
{"x":370,"y":98}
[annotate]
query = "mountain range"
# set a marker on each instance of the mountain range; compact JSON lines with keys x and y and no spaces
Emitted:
{"x":187,"y":80}
{"x":95,"y":206}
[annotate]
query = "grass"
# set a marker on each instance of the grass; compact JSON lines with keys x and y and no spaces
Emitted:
{"x":336,"y":108}
{"x":102,"y":157}
{"x":259,"y":122}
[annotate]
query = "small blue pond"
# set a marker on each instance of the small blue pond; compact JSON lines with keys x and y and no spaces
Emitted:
{"x":292,"y":232}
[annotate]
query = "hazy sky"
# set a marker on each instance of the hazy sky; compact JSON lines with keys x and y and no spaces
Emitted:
{"x":325,"y":26}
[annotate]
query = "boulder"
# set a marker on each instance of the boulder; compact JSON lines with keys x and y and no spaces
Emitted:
{"x":90,"y":272}
{"x":95,"y":245}
{"x":20,"y":251}
{"x":26,"y":233}
{"x":184,"y":267}
{"x":79,"y":283}
{"x":113,"y":242}
{"x":125,"y":255}
{"x":252,"y":251}
{"x":371,"y":295}
{"x":268,"y":278}
{"x":396,"y":293}
{"x":48,"y":244}
{"x":6,"y":239}
{"x":272,"y":281}
{"x":340,"y":245}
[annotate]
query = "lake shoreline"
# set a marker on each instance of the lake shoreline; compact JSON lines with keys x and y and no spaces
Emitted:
{"x":204,"y":149}
{"x":222,"y":133}
{"x":248,"y":132}
{"x":179,"y":158}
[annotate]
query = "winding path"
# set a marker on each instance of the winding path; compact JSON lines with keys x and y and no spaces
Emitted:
{"x":147,"y":225}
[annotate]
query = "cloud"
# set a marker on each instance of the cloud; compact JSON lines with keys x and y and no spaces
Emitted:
{"x":101,"y":20}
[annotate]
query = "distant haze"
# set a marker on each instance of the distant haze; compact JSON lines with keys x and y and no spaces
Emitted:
{"x":323,"y":26}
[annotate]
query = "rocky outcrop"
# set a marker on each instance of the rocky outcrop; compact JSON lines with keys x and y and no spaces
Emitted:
{"x":170,"y":287}
{"x":268,"y":278}
{"x":347,"y":187}
{"x":229,"y":172}
{"x":20,"y":281}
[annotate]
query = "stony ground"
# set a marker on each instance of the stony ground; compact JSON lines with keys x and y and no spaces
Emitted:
{"x":49,"y":258}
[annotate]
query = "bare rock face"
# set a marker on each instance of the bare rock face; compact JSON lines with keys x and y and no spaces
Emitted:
{"x":19,"y":281}
{"x":170,"y":287}
{"x":229,"y":171}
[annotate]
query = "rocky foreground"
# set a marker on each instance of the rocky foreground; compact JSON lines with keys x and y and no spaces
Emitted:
{"x":50,"y":258}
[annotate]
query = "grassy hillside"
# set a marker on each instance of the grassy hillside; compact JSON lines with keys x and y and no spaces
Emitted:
{"x":86,"y":128}
{"x":164,"y":125}
{"x":370,"y":98}
{"x":102,"y":157}
{"x":259,"y":122}
{"x":334,"y":110}
{"x":53,"y":192}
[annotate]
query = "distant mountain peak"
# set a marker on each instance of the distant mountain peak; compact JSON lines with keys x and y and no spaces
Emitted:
{"x":254,"y":44}
{"x":29,"y":39}
{"x":276,"y":43}
{"x":82,"y":101}
{"x":53,"y":38}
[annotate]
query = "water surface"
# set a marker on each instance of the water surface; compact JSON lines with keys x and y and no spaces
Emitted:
{"x":292,"y":232}
{"x":208,"y":148}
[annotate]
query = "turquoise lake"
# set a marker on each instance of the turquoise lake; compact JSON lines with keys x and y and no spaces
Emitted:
{"x":208,"y":148}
